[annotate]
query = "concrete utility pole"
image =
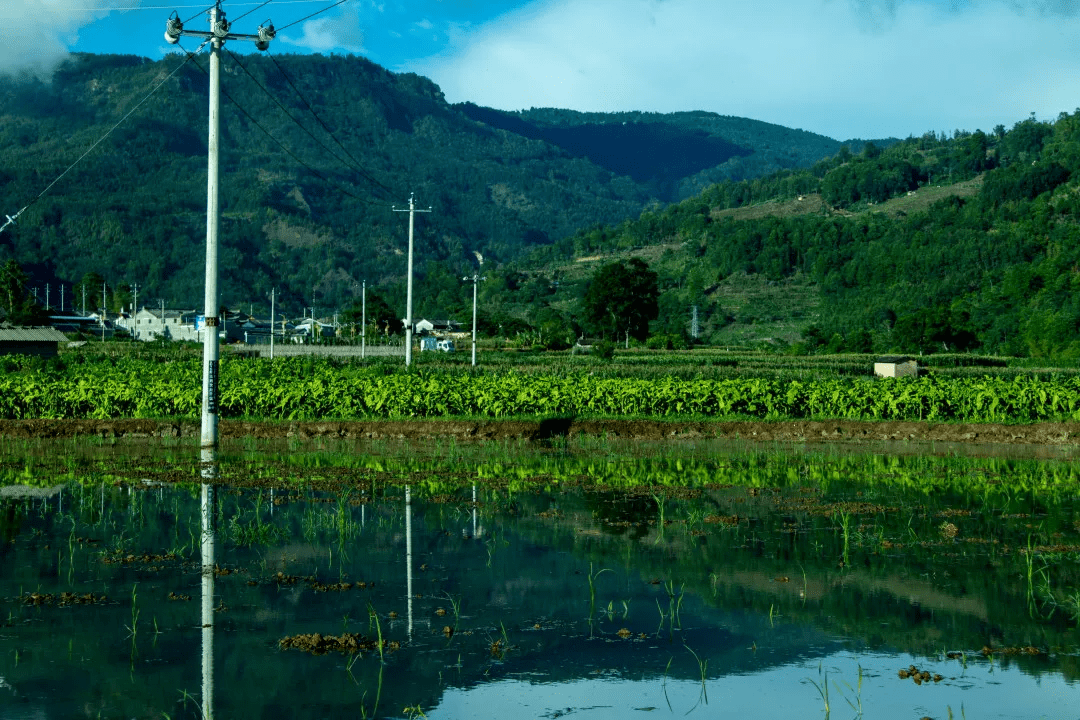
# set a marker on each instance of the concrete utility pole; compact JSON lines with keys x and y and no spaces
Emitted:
{"x":476,"y":278}
{"x":273,"y":292}
{"x":135,"y":311}
{"x":61,"y":297}
{"x":408,"y":292}
{"x":46,"y":296}
{"x":363,"y":320}
{"x":219,"y":33}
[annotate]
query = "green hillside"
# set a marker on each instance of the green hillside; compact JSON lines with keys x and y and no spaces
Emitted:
{"x":676,"y":154}
{"x":316,"y":151}
{"x":964,"y":243}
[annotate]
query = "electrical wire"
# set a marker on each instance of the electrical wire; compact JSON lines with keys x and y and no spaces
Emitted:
{"x":281,"y":145}
{"x":12,"y":219}
{"x":251,"y":11}
{"x":331,"y":7}
{"x":201,"y":12}
{"x":325,"y":127}
{"x":188,"y":7}
{"x":357,"y":167}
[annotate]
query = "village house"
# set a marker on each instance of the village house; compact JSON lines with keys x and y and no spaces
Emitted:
{"x":896,"y":366}
{"x":40,"y":341}
{"x":435,"y":327}
{"x":310,"y":330}
{"x":154,"y":324}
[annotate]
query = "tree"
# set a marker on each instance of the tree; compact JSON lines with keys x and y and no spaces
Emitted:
{"x":622,"y":298}
{"x":90,"y":287}
{"x":15,"y":300}
{"x":379,"y":314}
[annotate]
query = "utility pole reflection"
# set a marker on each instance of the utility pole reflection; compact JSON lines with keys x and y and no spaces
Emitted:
{"x":408,"y":557}
{"x":474,"y":510}
{"x":208,"y":507}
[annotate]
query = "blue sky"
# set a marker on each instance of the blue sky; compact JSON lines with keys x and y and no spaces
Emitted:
{"x":843,"y":68}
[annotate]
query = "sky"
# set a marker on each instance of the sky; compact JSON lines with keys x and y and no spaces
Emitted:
{"x":842,"y":68}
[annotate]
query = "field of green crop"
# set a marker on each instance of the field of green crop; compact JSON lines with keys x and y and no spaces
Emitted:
{"x":91,"y":386}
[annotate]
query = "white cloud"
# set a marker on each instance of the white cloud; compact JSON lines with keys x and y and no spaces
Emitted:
{"x":332,"y":32}
{"x":845,"y":68}
{"x":36,"y":34}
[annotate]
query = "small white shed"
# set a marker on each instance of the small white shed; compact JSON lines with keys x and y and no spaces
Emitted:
{"x":896,"y":366}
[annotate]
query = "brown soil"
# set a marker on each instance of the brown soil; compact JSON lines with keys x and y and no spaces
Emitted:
{"x":833,"y":431}
{"x":318,"y":644}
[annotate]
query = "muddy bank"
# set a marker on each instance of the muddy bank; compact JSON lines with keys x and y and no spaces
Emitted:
{"x":837,"y":431}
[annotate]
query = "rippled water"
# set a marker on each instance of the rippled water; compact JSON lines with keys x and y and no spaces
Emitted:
{"x":591,"y":580}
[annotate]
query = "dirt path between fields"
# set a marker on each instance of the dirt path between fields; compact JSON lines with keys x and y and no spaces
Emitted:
{"x":838,"y":431}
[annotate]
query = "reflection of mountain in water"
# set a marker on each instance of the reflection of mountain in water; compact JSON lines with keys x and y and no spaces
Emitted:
{"x":734,"y":558}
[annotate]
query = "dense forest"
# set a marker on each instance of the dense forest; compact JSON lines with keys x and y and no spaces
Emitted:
{"x":966,"y":242}
{"x":316,"y":153}
{"x":961,"y":241}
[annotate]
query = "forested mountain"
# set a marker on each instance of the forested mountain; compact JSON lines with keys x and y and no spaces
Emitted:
{"x":677,"y":154}
{"x":969,"y":242}
{"x":316,"y":152}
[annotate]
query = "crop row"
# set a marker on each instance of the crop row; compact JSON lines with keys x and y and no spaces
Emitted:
{"x":311,"y":390}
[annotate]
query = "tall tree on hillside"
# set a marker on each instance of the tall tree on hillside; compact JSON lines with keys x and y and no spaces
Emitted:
{"x":17,"y":303}
{"x":621,"y":300}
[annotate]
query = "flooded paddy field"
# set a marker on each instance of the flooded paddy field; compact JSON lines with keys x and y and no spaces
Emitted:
{"x":585,"y":577}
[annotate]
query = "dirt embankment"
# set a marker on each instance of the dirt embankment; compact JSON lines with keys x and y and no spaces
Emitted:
{"x":838,"y":431}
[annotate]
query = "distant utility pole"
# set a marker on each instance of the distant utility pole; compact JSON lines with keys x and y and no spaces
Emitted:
{"x":273,"y":292}
{"x":61,"y":297}
{"x":408,"y":292}
{"x":46,"y":296}
{"x":84,"y":300}
{"x":476,"y":278}
{"x":219,"y":33}
{"x":135,"y":310}
{"x":363,"y":320}
{"x":694,"y":328}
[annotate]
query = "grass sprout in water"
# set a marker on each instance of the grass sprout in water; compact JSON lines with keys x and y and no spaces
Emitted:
{"x":592,"y":587}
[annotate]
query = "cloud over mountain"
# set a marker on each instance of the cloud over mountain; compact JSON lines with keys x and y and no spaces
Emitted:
{"x":845,"y":68}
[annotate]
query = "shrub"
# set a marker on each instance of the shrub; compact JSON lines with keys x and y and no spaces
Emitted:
{"x":605,"y":350}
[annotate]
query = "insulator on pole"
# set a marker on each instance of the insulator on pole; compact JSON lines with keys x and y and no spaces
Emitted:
{"x":221,"y":27}
{"x":266,"y":34}
{"x":173,"y":28}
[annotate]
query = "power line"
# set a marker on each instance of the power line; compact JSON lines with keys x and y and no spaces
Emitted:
{"x":281,"y":145}
{"x":201,"y":12}
{"x":331,"y":7}
{"x":12,"y":218}
{"x":364,"y":173}
{"x":324,"y":125}
{"x":188,"y":7}
{"x":241,"y":17}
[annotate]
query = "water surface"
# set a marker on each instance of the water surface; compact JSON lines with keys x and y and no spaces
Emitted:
{"x":589,"y":579}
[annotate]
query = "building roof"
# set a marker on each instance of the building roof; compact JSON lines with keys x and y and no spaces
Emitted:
{"x":894,"y":359}
{"x":13,"y":333}
{"x":167,"y":314}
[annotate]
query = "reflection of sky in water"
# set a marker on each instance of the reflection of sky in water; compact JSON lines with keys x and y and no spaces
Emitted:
{"x":982,"y":691}
{"x":527,"y":575}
